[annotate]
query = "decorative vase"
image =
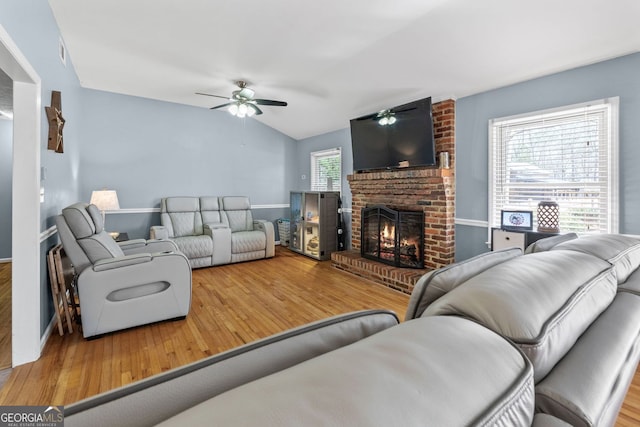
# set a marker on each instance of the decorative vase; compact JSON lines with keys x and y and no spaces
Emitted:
{"x":548,"y":217}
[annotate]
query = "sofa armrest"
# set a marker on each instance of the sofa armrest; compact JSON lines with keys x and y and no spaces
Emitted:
{"x":158,"y":232}
{"x":140,"y":246}
{"x":111,"y":263}
{"x":215,"y":225}
{"x":267,"y":228}
{"x":221,"y":237}
{"x":132,"y":244}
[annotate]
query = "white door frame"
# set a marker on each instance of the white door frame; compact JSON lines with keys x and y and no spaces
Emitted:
{"x":25,"y":246}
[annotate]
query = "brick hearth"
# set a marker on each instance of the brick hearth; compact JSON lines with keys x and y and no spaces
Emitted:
{"x":427,"y":189}
{"x":400,"y":279}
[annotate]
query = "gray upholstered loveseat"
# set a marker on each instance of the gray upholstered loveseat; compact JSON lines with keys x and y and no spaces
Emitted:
{"x":214,"y":230}
{"x":503,"y":339}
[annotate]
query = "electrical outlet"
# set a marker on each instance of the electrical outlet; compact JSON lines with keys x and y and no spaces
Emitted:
{"x":303,"y":176}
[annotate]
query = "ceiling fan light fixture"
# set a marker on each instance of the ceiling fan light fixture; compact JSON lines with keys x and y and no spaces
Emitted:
{"x":251,"y":110}
{"x":233,"y":109}
{"x":386,"y":118}
{"x":242,"y":110}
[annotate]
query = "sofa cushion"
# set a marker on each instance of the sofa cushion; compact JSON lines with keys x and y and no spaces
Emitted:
{"x":398,"y":377}
{"x":181,"y":204}
{"x":79,"y":220}
{"x":632,"y":284}
{"x":237,"y":211}
{"x":587,"y":387}
{"x":542,"y":301}
{"x":623,"y":252}
{"x":154,"y":399}
{"x":85,"y":222}
{"x":210,"y":210}
{"x":195,"y":246}
{"x":248,"y":241}
{"x":433,"y":285}
{"x":549,"y":242}
{"x":236,"y":203}
{"x":181,"y":216}
{"x":546,"y":420}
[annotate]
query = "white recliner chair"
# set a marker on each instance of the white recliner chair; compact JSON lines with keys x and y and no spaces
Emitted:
{"x":121,"y":285}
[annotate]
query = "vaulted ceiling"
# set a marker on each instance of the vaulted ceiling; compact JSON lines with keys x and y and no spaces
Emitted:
{"x":334,"y":60}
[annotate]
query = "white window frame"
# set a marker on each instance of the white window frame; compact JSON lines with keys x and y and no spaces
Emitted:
{"x":313,"y":179}
{"x":611,"y":105}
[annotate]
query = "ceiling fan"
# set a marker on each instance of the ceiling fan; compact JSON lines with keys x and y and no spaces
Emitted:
{"x":385,"y":117}
{"x":242,"y":102}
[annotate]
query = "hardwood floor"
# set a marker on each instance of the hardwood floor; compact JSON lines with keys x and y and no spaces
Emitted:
{"x":5,"y":315}
{"x":231,"y":305}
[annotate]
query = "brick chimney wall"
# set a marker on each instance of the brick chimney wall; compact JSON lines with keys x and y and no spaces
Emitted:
{"x":427,"y":189}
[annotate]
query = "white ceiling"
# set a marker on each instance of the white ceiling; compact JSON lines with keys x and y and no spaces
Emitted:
{"x":334,"y":60}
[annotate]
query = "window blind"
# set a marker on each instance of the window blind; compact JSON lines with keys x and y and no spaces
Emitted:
{"x":326,"y":170}
{"x":566,"y":155}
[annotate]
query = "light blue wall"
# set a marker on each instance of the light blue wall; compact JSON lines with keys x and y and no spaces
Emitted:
{"x":616,"y":77}
{"x":6,"y":168}
{"x":340,"y":138}
{"x":146,"y":149}
{"x":32,"y":27}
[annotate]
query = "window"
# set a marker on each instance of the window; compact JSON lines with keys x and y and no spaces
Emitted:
{"x":568,"y":155}
{"x":326,"y":170}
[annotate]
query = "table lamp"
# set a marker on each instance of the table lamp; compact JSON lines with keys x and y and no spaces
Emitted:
{"x":105,"y":200}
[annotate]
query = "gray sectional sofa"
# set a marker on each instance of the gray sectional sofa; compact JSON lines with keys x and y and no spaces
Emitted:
{"x":548,"y":338}
{"x":214,"y":230}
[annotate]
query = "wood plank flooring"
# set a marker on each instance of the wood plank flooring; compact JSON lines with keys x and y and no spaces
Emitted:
{"x":231,"y":305}
{"x":5,"y":315}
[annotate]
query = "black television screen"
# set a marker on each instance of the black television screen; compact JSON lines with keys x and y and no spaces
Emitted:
{"x":403,"y":138}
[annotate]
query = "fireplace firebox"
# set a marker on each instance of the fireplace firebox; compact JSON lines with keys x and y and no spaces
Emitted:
{"x":392,"y":237}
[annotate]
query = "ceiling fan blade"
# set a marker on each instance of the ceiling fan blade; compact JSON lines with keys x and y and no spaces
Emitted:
{"x":270,"y":102}
{"x":368,"y":117}
{"x":258,"y":111}
{"x":221,"y":105}
{"x":402,"y":111}
{"x":208,"y":94}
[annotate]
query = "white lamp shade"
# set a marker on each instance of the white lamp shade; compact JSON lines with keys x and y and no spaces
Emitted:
{"x":105,"y":200}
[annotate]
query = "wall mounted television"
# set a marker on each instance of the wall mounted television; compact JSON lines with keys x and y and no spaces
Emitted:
{"x":405,"y":140}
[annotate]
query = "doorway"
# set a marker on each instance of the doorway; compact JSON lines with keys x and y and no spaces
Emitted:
{"x":25,"y":218}
{"x":6,"y":172}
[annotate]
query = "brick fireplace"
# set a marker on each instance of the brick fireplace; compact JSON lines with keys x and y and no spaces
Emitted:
{"x":430,"y":190}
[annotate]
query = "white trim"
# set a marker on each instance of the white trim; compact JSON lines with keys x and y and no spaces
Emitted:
{"x":51,"y":231}
{"x":155,"y":210}
{"x":26,"y":281}
{"x":614,"y":163}
{"x":4,"y":260}
{"x":133,"y":211}
{"x":274,"y":206}
{"x":472,"y":222}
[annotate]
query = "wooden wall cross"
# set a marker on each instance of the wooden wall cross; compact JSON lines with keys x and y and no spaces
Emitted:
{"x":56,"y":122}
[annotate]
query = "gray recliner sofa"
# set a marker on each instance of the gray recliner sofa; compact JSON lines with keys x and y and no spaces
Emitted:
{"x":503,"y":339}
{"x":214,"y":230}
{"x":126,"y":284}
